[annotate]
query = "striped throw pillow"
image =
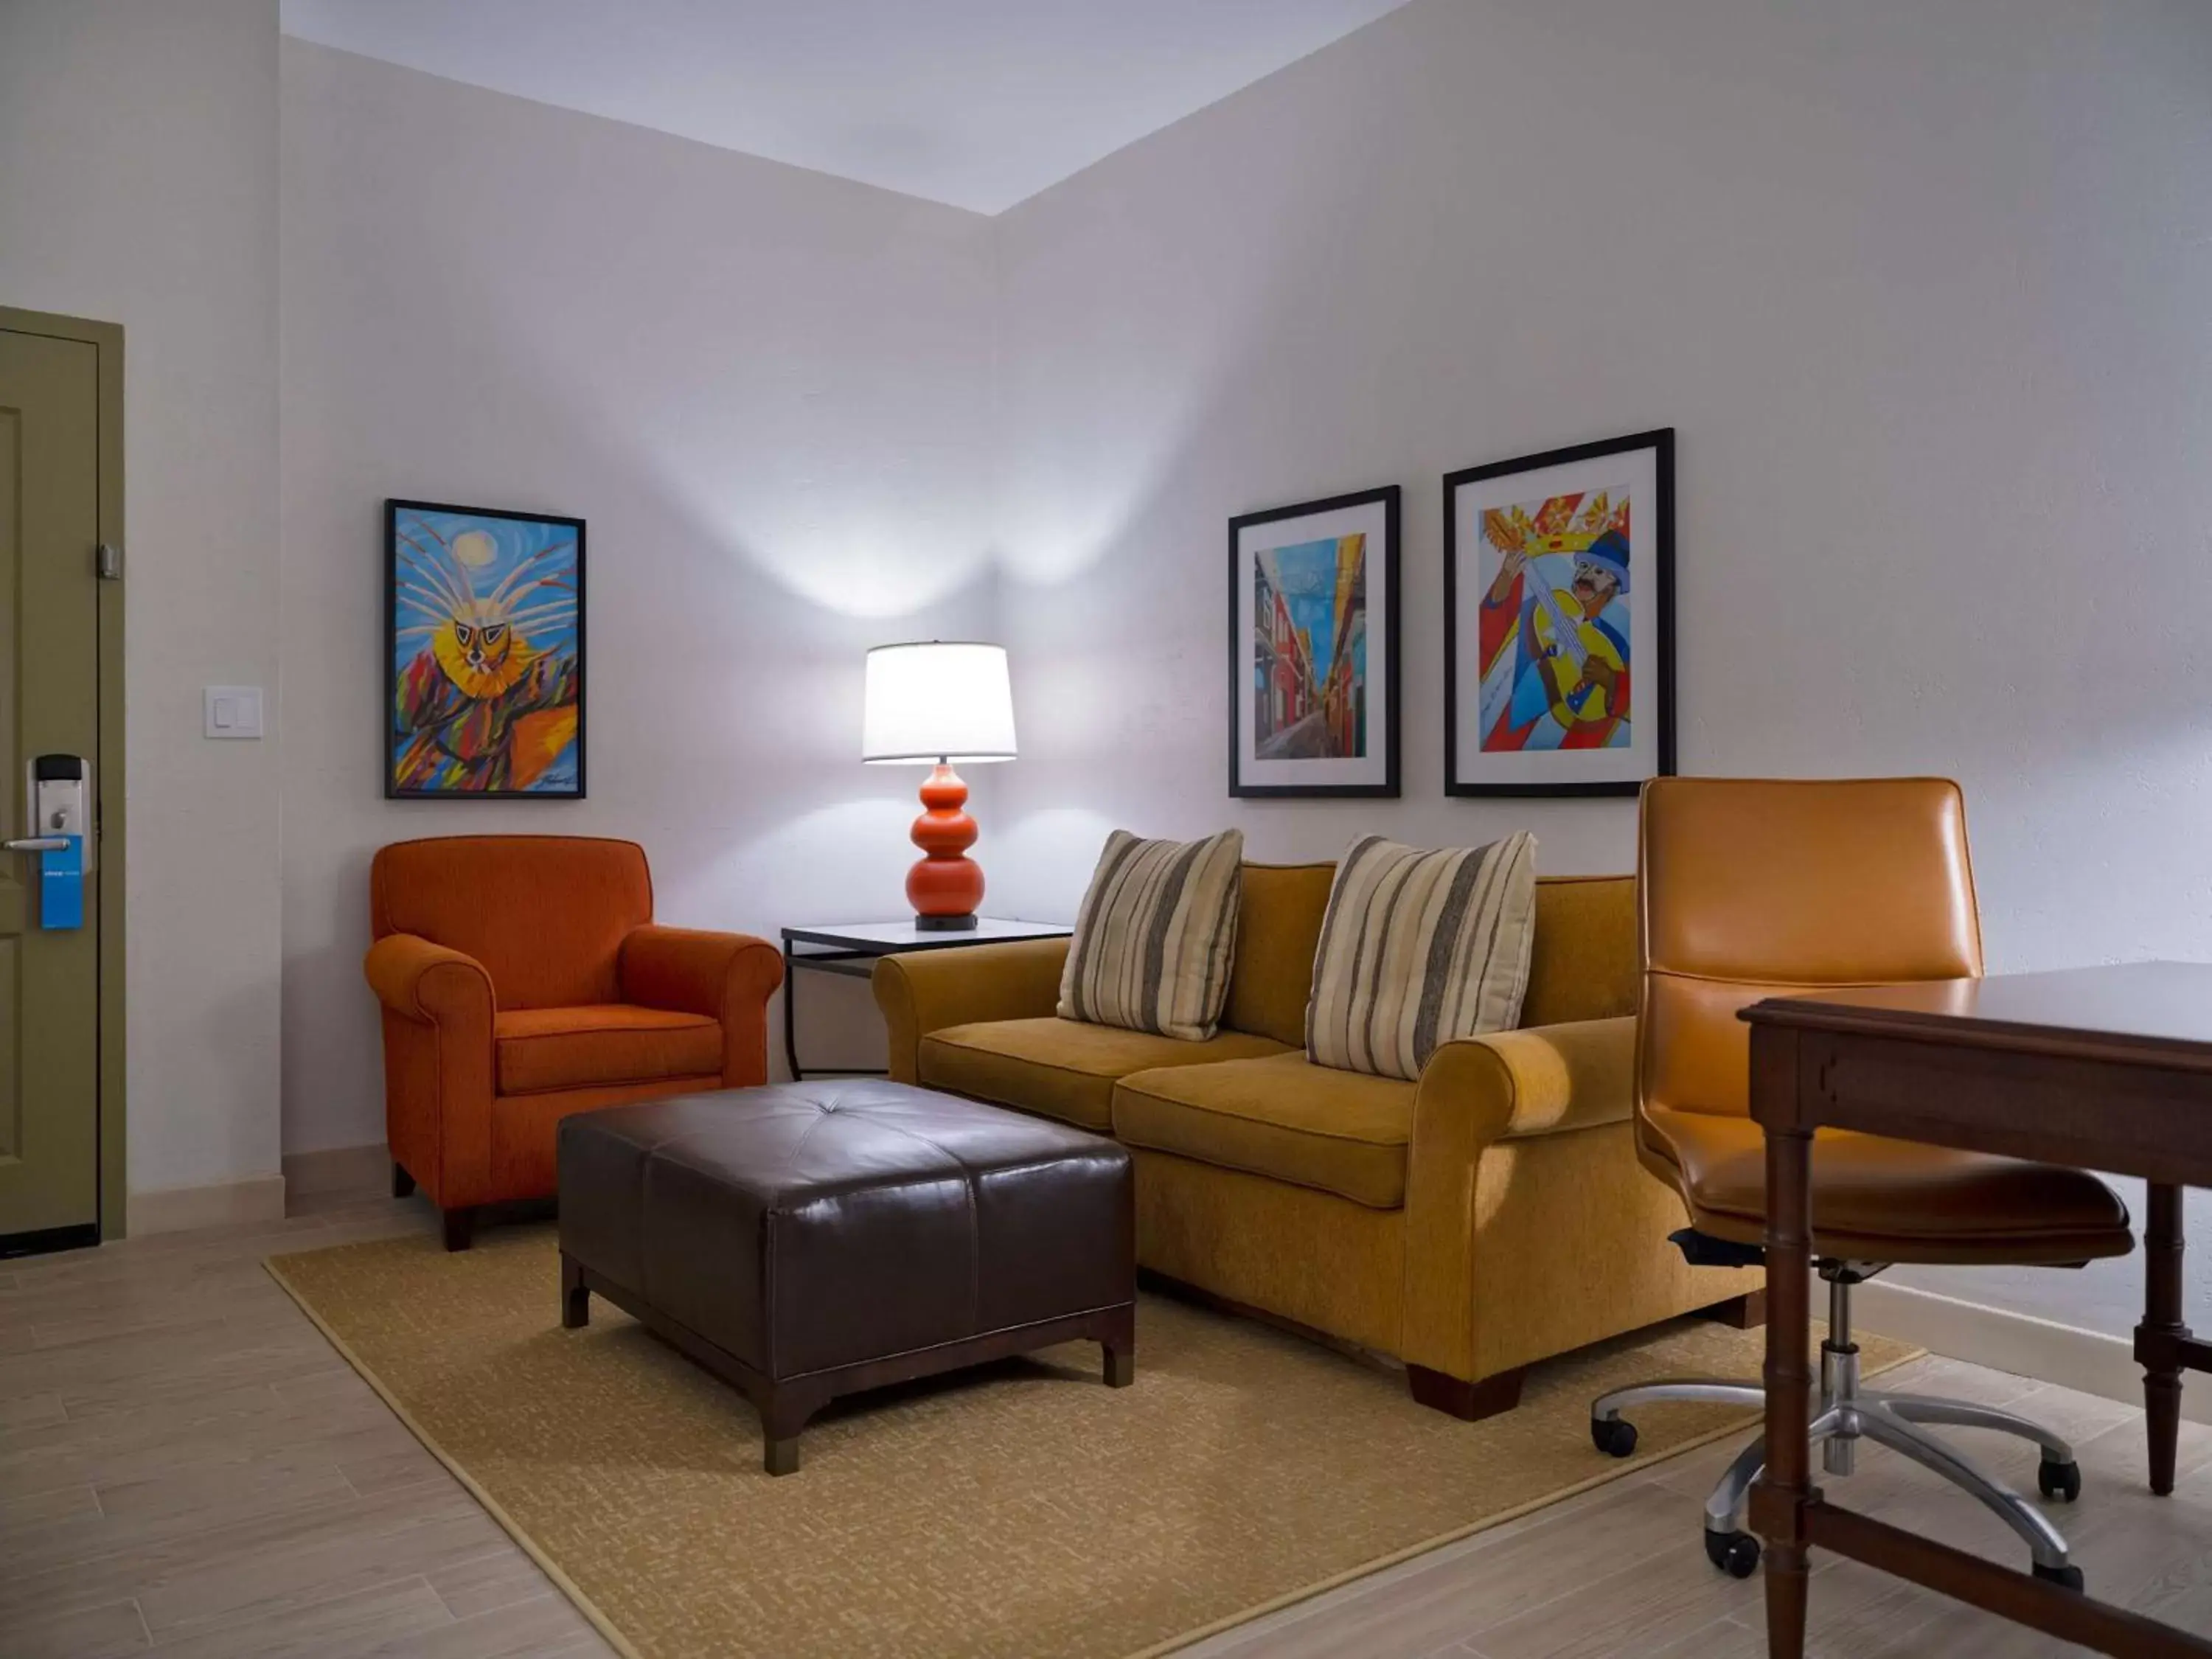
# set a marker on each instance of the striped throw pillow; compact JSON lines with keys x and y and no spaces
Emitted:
{"x":1153,"y":939}
{"x":1417,"y":948}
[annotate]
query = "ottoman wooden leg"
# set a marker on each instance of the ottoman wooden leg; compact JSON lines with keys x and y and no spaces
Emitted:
{"x":1119,"y":1340}
{"x":576,"y":1300}
{"x":783,"y":1413}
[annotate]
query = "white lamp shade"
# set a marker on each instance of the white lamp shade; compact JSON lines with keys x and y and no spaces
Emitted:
{"x":936,"y":700}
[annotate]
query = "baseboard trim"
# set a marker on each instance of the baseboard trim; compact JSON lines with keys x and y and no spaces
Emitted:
{"x":2043,"y":1349}
{"x":337,"y":1170}
{"x":218,"y":1203}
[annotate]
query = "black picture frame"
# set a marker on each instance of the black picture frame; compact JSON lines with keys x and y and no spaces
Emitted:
{"x":1240,"y":648}
{"x":395,"y":622}
{"x":1661,"y":702}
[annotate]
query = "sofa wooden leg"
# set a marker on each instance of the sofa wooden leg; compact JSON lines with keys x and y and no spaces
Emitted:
{"x":1468,"y":1401}
{"x":460,"y":1227}
{"x":1747,"y":1312}
{"x":402,"y":1184}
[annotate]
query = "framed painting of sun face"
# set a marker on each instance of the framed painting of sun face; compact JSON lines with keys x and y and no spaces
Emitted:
{"x":1559,"y":621}
{"x":483,"y":654}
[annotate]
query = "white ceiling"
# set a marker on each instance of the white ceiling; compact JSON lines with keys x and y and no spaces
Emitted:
{"x":975,"y":102}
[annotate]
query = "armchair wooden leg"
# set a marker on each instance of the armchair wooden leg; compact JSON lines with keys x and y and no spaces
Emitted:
{"x":1468,"y":1401}
{"x":460,"y":1227}
{"x":402,"y":1184}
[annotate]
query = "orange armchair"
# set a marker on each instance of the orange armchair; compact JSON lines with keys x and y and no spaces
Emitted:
{"x":522,"y":979}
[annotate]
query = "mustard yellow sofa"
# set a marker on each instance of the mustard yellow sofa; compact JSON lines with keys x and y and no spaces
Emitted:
{"x":1488,"y":1216}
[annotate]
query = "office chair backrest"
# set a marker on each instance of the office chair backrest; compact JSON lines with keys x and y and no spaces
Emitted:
{"x":1749,"y":888}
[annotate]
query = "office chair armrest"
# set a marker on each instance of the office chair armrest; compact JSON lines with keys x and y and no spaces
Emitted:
{"x":1540,"y":1080}
{"x":925,"y":991}
{"x":429,"y":982}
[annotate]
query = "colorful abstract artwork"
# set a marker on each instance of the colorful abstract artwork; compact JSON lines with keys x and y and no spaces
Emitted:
{"x":1558,"y":569}
{"x":1313,"y":637}
{"x":485,"y":641}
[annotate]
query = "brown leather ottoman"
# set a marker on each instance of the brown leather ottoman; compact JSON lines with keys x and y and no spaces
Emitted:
{"x":807,"y":1240}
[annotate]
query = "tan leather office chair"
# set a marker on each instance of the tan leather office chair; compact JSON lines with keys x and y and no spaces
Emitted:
{"x":1749,"y":890}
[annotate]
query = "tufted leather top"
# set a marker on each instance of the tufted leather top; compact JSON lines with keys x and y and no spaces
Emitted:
{"x":807,"y":1225}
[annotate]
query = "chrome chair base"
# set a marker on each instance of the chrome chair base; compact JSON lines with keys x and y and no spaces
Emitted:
{"x":1848,"y":1414}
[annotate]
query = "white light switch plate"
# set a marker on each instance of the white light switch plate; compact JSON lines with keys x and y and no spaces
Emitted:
{"x":233,"y":711}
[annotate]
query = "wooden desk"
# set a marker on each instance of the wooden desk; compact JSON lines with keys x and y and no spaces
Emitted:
{"x":2102,"y":1068}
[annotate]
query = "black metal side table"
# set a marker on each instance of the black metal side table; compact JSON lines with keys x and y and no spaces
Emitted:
{"x":851,"y":949}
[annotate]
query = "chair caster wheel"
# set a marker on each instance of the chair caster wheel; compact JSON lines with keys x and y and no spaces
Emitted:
{"x":1613,"y":1436}
{"x":2065,"y":1577}
{"x":1735,"y":1554}
{"x":2059,"y":1479}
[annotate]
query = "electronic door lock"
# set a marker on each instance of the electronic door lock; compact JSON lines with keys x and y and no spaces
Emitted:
{"x":58,"y":784}
{"x":57,"y":801}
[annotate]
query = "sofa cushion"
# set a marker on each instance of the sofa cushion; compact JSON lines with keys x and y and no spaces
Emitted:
{"x":1063,"y":1068}
{"x":1284,"y":1117}
{"x":1278,"y":926}
{"x":601,"y":1044}
{"x":1154,"y":936}
{"x":1419,"y":948}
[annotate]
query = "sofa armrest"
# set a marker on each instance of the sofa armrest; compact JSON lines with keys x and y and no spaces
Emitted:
{"x":438,"y":1065}
{"x":925,"y":991}
{"x":1518,"y":1227}
{"x":1546,"y":1079}
{"x":727,"y":976}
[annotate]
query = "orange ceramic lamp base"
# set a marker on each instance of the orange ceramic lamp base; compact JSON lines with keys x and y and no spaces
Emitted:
{"x":945,"y":885}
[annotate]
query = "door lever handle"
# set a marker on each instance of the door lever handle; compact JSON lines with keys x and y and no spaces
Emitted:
{"x":36,"y":844}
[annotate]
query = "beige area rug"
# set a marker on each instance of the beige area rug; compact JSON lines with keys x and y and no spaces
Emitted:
{"x":1023,"y":1509}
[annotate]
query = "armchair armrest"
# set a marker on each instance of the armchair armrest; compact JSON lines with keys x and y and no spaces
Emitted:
{"x":420,"y":981}
{"x":925,"y":991}
{"x":438,"y":1066}
{"x":727,"y":976}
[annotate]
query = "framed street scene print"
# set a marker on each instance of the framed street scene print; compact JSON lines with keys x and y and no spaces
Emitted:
{"x":1313,"y":648}
{"x":484,"y":654}
{"x":1559,"y":621}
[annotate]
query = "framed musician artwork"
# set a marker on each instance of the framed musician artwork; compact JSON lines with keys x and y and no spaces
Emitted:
{"x":1559,"y":621}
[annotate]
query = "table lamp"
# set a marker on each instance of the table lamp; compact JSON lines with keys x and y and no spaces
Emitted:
{"x":937,"y":701}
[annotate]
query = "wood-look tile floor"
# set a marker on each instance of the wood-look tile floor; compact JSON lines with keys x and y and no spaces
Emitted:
{"x":186,"y":1467}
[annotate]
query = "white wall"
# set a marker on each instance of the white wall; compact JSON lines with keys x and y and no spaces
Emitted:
{"x":767,"y":392}
{"x":138,"y":185}
{"x":1922,"y":288}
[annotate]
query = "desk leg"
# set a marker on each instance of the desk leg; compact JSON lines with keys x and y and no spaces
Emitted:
{"x":1788,"y":1382}
{"x":2159,"y":1338}
{"x":790,"y":1026}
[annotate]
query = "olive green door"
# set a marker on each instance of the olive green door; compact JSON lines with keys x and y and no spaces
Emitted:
{"x":50,"y":532}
